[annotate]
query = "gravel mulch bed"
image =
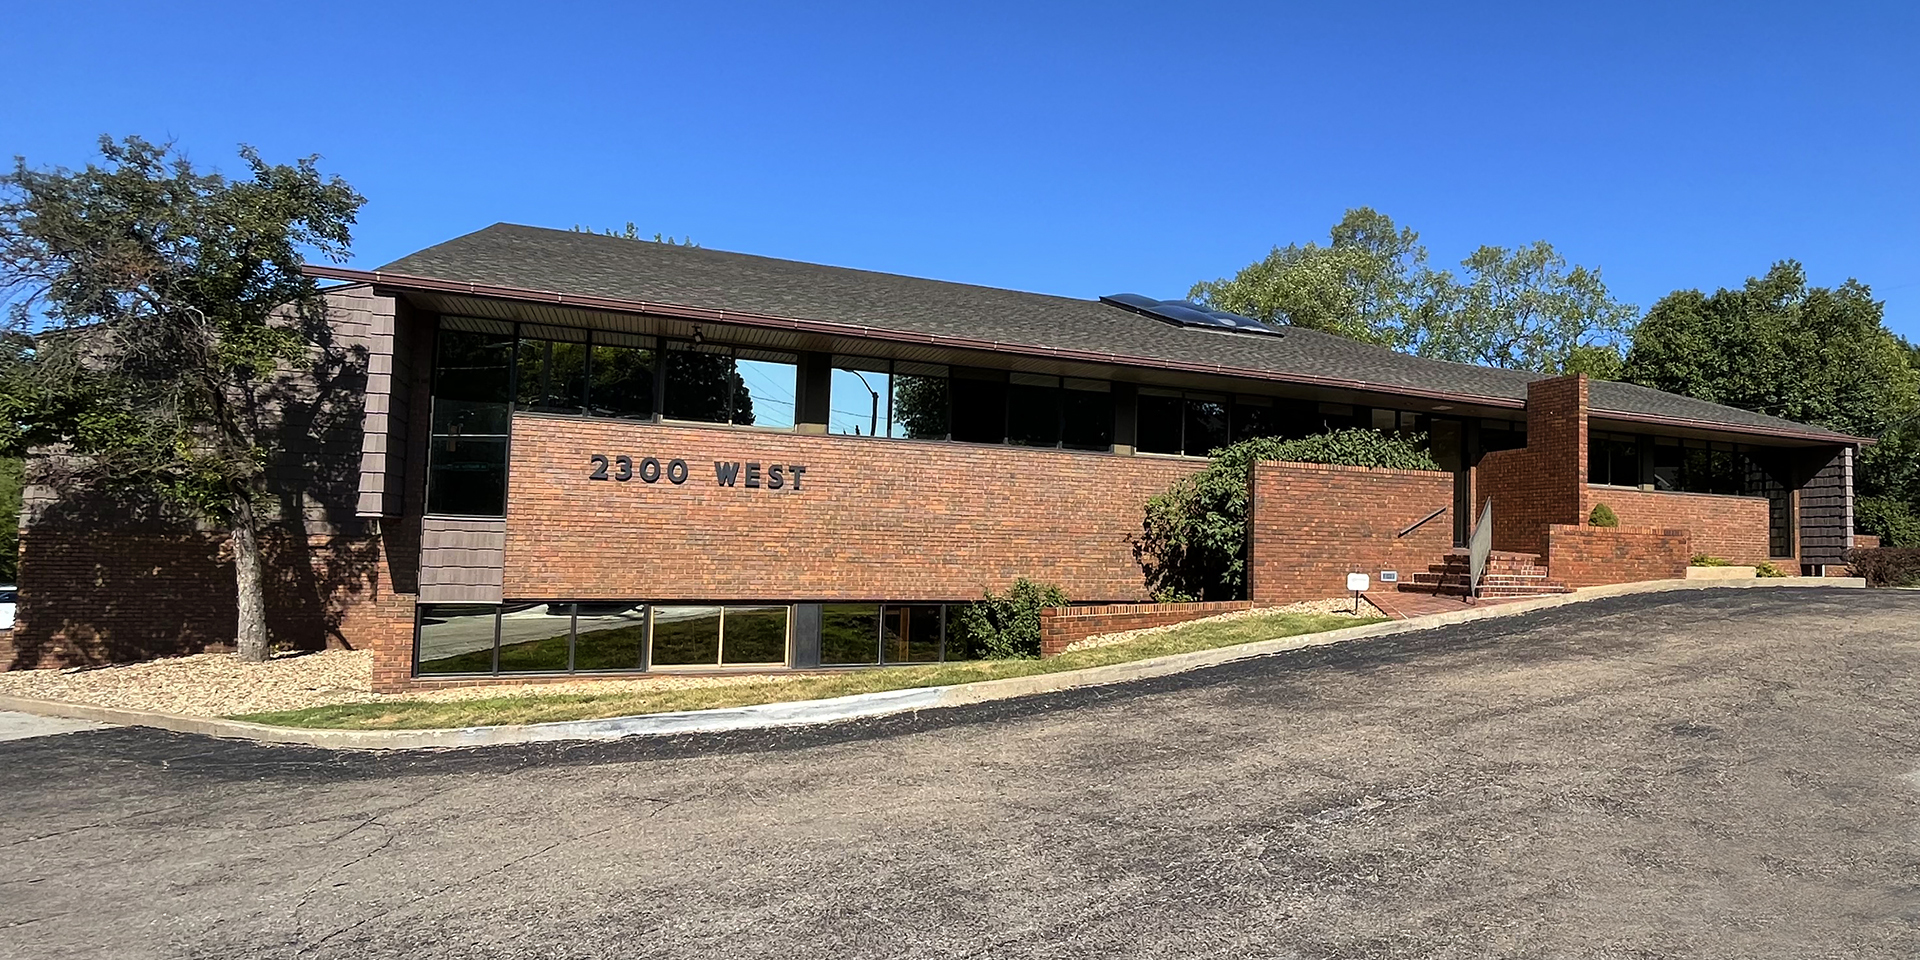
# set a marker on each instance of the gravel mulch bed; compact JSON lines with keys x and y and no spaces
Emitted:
{"x":218,"y":684}
{"x":1342,"y":606}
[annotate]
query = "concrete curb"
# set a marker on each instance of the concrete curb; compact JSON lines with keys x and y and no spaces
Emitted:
{"x":864,"y":705}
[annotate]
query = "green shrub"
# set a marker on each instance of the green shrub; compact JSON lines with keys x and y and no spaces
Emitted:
{"x":1766,"y":568}
{"x":1885,"y":566}
{"x":1193,"y":542}
{"x":1008,"y":627}
{"x":1893,"y":521}
{"x":1707,"y":560}
{"x":1602,"y":516}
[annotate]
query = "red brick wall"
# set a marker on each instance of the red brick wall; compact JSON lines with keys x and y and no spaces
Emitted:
{"x":1583,"y":556}
{"x":88,"y":599}
{"x":1061,"y":627}
{"x":1540,"y":484}
{"x":1313,"y":524}
{"x":874,"y":519}
{"x":1731,"y":528}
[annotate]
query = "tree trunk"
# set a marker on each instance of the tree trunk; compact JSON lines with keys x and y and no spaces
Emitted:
{"x":250,"y":633}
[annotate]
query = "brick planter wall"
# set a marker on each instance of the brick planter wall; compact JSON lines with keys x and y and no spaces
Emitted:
{"x":1313,"y":524}
{"x":1060,"y":627}
{"x":1583,"y":556}
{"x":874,"y":519}
{"x":1731,"y":528}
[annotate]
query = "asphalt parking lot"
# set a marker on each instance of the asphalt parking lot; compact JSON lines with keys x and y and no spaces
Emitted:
{"x":1722,"y":774}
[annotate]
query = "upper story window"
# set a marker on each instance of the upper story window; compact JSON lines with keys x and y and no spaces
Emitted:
{"x":709,"y":383}
{"x":887,"y":398}
{"x":474,"y":362}
{"x":1613,"y":459}
{"x":1701,"y":466}
{"x":872,"y":397}
{"x":1502,"y":435}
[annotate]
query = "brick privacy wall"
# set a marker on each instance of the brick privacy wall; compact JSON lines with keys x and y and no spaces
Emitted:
{"x":1538,"y":485}
{"x":1061,"y":627}
{"x":92,"y":599}
{"x":1314,"y":524}
{"x":1583,"y":556}
{"x":1732,"y":528}
{"x":874,"y":519}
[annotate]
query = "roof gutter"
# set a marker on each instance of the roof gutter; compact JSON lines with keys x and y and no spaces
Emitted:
{"x":829,"y":328}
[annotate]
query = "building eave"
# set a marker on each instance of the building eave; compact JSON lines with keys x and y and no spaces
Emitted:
{"x":678,"y":311}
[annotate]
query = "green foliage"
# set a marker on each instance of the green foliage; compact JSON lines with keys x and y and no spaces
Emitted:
{"x":1523,"y":308}
{"x":142,"y":297}
{"x":920,"y":406}
{"x":1708,"y":560}
{"x":1895,"y":522}
{"x":1780,"y":347}
{"x":151,"y":312}
{"x":1360,"y":285}
{"x":1886,"y":566}
{"x":633,"y":233}
{"x":1767,"y":568}
{"x":12,"y":480}
{"x":1193,"y":541}
{"x":1007,"y":627}
{"x":1813,"y":354}
{"x":1602,"y":516}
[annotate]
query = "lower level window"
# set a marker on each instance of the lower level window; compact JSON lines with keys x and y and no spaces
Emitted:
{"x":853,"y":634}
{"x":591,"y":636}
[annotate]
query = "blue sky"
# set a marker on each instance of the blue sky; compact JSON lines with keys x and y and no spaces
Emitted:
{"x":1071,"y":149}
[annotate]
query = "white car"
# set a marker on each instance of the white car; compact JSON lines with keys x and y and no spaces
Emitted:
{"x":8,"y":595}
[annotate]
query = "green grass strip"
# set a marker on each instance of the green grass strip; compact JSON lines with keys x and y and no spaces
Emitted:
{"x":546,"y":708}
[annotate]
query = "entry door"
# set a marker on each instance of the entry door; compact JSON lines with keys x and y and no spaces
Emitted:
{"x":1448,"y":443}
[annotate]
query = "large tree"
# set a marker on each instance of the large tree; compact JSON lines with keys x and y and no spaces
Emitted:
{"x":1814,"y":354}
{"x":1360,"y":285}
{"x":153,"y":310}
{"x":1525,"y":308}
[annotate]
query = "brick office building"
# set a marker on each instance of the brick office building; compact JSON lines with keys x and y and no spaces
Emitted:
{"x":536,"y":451}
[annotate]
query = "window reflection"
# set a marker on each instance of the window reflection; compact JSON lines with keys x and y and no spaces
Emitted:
{"x":622,"y":377}
{"x":849,"y":633}
{"x":552,"y":373}
{"x":764,"y":388}
{"x":686,"y":636}
{"x":455,"y":638}
{"x":700,"y":384}
{"x":1206,"y":424}
{"x":754,"y":635}
{"x":860,"y":395}
{"x":536,"y":637}
{"x":919,"y":401}
{"x":609,"y":636}
{"x":472,"y":390}
{"x":910,"y":633}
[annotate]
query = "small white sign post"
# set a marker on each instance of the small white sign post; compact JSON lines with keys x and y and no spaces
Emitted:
{"x":1357,"y":582}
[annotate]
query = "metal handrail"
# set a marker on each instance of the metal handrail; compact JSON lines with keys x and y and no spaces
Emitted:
{"x":1479,"y":545}
{"x":1423,"y":521}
